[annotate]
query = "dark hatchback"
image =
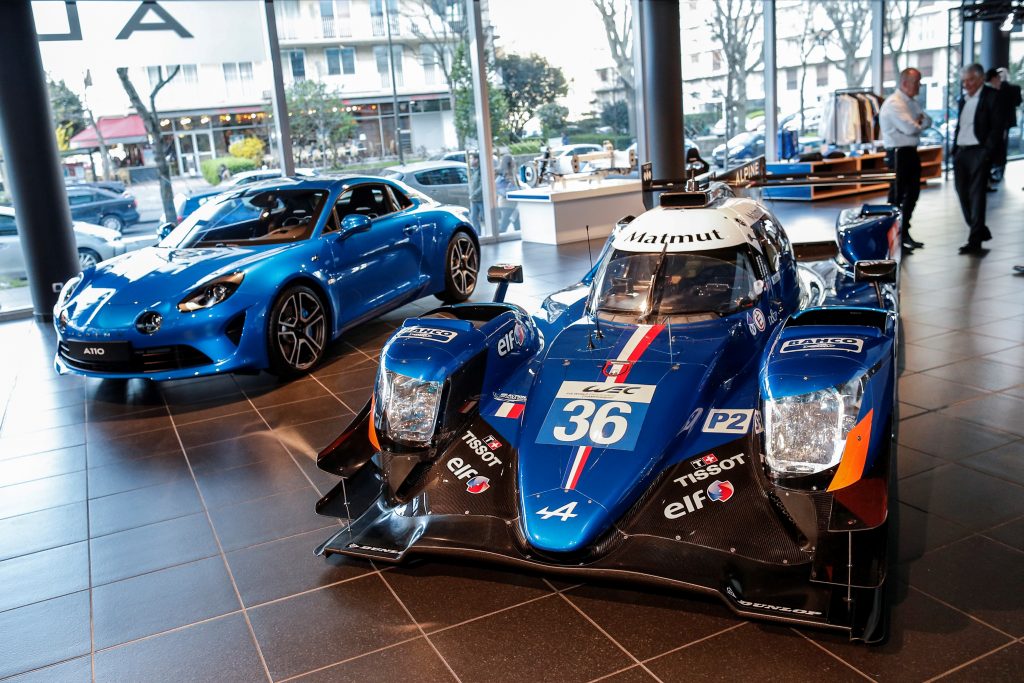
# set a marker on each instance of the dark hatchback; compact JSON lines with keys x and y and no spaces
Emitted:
{"x":102,"y":207}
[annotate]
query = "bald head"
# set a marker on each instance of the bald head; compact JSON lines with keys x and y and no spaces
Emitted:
{"x":910,"y":82}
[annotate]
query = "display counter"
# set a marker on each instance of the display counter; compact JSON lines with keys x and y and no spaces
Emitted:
{"x":559,"y":213}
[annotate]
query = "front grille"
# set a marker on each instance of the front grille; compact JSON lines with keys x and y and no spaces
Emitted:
{"x":156,"y":359}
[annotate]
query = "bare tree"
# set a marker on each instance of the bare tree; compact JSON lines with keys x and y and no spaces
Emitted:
{"x":151,"y":119}
{"x":897,"y":27}
{"x":441,"y":26}
{"x":618,"y":27}
{"x":851,"y":24}
{"x":734,"y":25}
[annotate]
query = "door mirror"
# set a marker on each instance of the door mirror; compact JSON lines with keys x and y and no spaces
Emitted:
{"x":353,"y":223}
{"x":164,"y":230}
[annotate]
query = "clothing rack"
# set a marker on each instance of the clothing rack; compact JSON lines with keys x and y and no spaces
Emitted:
{"x":860,"y":90}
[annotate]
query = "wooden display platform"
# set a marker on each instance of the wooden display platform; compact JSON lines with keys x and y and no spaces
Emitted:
{"x":931,"y":167}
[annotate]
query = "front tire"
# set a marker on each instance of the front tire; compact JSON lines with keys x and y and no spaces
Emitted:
{"x":296,"y":332}
{"x":87,"y":258}
{"x":462,"y":266}
{"x":113,"y":222}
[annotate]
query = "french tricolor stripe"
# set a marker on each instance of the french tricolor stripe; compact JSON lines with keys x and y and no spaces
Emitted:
{"x":509,"y":409}
{"x":635,"y":347}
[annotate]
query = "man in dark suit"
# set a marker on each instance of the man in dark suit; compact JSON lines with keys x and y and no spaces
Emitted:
{"x":975,"y":144}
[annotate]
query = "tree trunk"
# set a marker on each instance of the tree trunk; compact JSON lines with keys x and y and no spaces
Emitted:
{"x":152,"y":122}
{"x":104,"y":153}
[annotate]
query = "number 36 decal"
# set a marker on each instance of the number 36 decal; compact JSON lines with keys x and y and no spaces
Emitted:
{"x":599,"y":415}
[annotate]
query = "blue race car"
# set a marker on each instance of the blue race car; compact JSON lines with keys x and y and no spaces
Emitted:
{"x":264,"y":277}
{"x":699,"y":411}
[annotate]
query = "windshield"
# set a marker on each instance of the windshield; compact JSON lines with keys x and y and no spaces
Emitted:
{"x":717,"y":281}
{"x":250,"y":218}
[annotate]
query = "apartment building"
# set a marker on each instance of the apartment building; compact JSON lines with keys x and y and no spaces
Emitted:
{"x":344,"y":43}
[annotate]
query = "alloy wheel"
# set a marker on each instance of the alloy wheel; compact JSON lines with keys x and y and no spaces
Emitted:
{"x":87,"y":259}
{"x":464,"y":265}
{"x":301,"y":329}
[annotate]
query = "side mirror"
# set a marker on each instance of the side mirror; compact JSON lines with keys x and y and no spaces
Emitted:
{"x":503,"y":274}
{"x":758,"y":288}
{"x":164,"y":230}
{"x":875,"y":271}
{"x":352,"y":224}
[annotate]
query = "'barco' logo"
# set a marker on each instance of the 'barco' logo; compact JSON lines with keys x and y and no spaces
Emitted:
{"x":848,"y":344}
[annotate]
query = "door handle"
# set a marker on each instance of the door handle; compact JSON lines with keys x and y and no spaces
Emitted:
{"x":411,"y":228}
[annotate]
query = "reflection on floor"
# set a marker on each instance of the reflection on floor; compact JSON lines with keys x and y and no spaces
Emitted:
{"x":165,"y":532}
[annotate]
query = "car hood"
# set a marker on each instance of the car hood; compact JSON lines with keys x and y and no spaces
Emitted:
{"x":154,"y":275}
{"x":655,"y":377}
{"x":97,"y":231}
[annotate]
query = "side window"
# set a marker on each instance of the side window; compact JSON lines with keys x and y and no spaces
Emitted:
{"x":7,"y":228}
{"x":428,"y":178}
{"x":768,"y":248}
{"x":462,"y":175}
{"x":79,"y":198}
{"x":398,"y":199}
{"x":334,"y":219}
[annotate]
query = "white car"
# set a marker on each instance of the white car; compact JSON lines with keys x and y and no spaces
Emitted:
{"x":95,"y":244}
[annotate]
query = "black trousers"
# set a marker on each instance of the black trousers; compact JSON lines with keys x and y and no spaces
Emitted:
{"x":904,"y":191}
{"x":971,"y":167}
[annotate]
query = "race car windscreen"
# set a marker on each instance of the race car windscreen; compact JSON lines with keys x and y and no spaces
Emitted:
{"x":633,"y":284}
{"x":250,"y":218}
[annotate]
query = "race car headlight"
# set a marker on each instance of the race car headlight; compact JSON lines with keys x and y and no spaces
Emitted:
{"x":211,"y":294}
{"x":806,"y":433}
{"x":68,"y":291}
{"x":407,"y":407}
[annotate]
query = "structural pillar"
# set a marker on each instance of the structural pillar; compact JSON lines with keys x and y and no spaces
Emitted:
{"x":482,"y":100}
{"x":995,"y":46}
{"x":771,"y":87}
{"x":662,"y":79}
{"x":33,"y":174}
{"x":967,"y":44}
{"x":282,"y":126}
{"x":878,"y":46}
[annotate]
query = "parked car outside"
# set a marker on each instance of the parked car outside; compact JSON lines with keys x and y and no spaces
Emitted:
{"x":185,"y":204}
{"x":95,"y":244}
{"x":102,"y":207}
{"x":443,"y":181}
{"x":741,"y":147}
{"x":115,"y":186}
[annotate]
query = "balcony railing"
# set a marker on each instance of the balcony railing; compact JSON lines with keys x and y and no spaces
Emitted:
{"x":377,"y":21}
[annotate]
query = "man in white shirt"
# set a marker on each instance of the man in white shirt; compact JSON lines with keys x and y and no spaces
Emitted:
{"x":902,"y":120}
{"x":975,"y":143}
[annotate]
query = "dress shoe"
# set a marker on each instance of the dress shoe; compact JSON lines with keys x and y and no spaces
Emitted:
{"x":907,"y":247}
{"x":912,"y":242}
{"x":991,"y":188}
{"x":986,"y":236}
{"x":971,"y":249}
{"x":1019,"y":269}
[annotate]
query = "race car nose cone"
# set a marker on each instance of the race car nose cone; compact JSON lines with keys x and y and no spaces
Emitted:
{"x":562,"y":521}
{"x":149,"y":322}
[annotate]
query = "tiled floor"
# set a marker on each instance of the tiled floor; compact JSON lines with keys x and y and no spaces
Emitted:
{"x":165,"y":532}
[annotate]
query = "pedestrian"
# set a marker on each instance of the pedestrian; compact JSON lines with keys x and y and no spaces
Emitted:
{"x":1008,"y":99}
{"x":505,"y":182}
{"x":902,"y":120}
{"x":223,"y":173}
{"x":476,"y":191}
{"x":976,"y":138}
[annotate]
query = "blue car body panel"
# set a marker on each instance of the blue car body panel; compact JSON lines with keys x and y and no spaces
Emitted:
{"x":673,"y":488}
{"x":400,"y":259}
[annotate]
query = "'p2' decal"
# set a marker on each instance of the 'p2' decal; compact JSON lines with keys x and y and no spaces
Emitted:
{"x":728,"y":421}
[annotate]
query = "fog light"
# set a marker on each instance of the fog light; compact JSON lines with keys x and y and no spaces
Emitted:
{"x":149,"y":322}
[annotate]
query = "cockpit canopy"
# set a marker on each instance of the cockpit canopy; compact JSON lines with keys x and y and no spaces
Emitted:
{"x":646,"y":286}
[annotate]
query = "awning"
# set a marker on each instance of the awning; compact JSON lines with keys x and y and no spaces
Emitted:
{"x":115,"y":130}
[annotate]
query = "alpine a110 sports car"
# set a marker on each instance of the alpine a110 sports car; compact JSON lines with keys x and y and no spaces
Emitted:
{"x":264,"y":277}
{"x":699,"y":411}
